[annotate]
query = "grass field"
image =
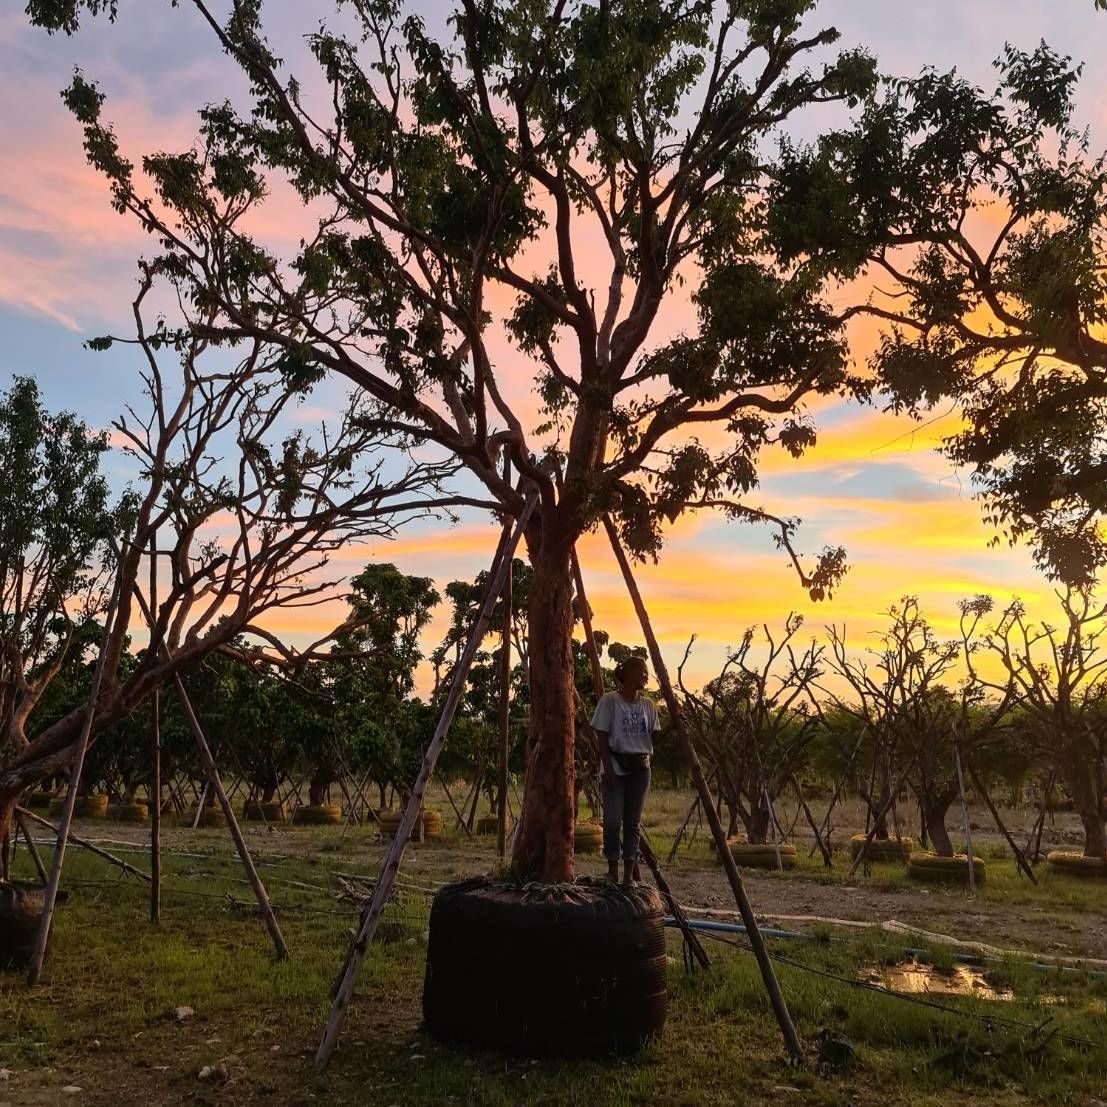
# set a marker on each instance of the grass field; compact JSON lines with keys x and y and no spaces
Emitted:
{"x":101,"y":1019}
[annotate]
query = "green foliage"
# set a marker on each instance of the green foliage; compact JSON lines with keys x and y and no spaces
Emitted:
{"x":57,"y":527}
{"x":454,"y":159}
{"x":1007,"y":321}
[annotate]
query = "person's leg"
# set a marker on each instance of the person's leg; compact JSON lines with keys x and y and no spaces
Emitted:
{"x":613,"y":794}
{"x":635,"y":787}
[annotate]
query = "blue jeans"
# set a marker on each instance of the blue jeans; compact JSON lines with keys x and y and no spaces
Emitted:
{"x":623,"y":800}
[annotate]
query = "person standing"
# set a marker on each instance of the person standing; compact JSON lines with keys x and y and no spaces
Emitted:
{"x":625,"y":721}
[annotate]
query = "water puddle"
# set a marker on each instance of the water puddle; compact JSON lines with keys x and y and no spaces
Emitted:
{"x":919,"y":978}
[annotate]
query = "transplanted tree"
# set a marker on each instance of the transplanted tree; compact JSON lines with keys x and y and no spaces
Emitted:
{"x":246,"y":505}
{"x":755,"y":721}
{"x":1060,"y":672}
{"x":904,"y":712}
{"x":456,"y":174}
{"x":370,"y":673}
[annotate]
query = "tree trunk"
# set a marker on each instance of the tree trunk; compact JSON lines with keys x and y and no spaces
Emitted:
{"x":1085,"y":799}
{"x":317,"y":788}
{"x":757,"y":825}
{"x":934,"y":810}
{"x":1095,"y":841}
{"x":543,"y":848}
{"x":7,"y":812}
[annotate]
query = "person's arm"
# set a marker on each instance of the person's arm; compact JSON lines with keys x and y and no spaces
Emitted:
{"x":607,"y":765}
{"x":601,"y":724}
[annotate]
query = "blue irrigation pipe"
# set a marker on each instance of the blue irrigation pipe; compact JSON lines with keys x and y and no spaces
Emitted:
{"x":909,"y":951}
{"x":737,"y":928}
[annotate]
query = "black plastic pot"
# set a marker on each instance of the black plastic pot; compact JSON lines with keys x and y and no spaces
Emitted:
{"x":565,"y":971}
{"x":21,"y":907}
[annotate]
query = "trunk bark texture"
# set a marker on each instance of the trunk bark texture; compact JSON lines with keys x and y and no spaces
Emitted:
{"x":543,"y":848}
{"x":934,"y":811}
{"x":1082,"y":787}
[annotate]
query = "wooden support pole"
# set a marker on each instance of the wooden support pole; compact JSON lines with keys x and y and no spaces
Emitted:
{"x":827,"y":860}
{"x":51,"y":898}
{"x":83,"y":843}
{"x":32,"y":849}
{"x":382,"y":890}
{"x":838,"y":788}
{"x":507,"y":602}
{"x":206,"y":759}
{"x":879,"y":813}
{"x":155,"y":754}
{"x":200,"y":804}
{"x":745,"y":908}
{"x":155,"y":807}
{"x":1020,"y":859}
{"x":693,"y":810}
{"x":965,"y":816}
{"x":458,"y":811}
{"x":1039,"y":824}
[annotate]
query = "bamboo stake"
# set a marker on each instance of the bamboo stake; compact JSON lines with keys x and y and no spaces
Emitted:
{"x":1020,"y":860}
{"x":827,"y":829}
{"x":359,"y":788}
{"x":965,"y":816}
{"x":458,"y":811}
{"x":382,"y":890}
{"x":83,"y":843}
{"x":827,"y":861}
{"x":693,"y":810}
{"x":753,"y":932}
{"x":507,"y":601}
{"x":879,"y":814}
{"x":895,"y":817}
{"x":43,"y":935}
{"x":206,"y":759}
{"x":155,"y":755}
{"x":155,"y":807}
{"x":1039,"y":823}
{"x":200,"y":805}
{"x":32,"y":849}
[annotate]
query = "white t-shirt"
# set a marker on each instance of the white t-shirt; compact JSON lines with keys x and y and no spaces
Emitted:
{"x":629,"y":727}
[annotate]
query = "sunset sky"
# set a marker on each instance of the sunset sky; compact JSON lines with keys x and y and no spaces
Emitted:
{"x":874,"y":482}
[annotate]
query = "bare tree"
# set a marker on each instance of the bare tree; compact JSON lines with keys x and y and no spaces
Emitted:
{"x":1061,"y":676}
{"x":246,"y":506}
{"x":897,"y":698}
{"x":754,"y":722}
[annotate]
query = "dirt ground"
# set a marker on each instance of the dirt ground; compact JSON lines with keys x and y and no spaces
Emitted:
{"x":1008,"y":916}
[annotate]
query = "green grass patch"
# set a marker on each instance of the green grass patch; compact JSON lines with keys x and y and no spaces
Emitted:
{"x":112,"y":978}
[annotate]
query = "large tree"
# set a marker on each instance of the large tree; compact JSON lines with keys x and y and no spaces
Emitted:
{"x":983,"y":214}
{"x":246,"y":500}
{"x":559,"y":174}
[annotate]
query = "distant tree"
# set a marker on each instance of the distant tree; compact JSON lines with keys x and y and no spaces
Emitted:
{"x":1061,"y":675}
{"x":57,"y":523}
{"x":896,"y":696}
{"x":754,"y":722}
